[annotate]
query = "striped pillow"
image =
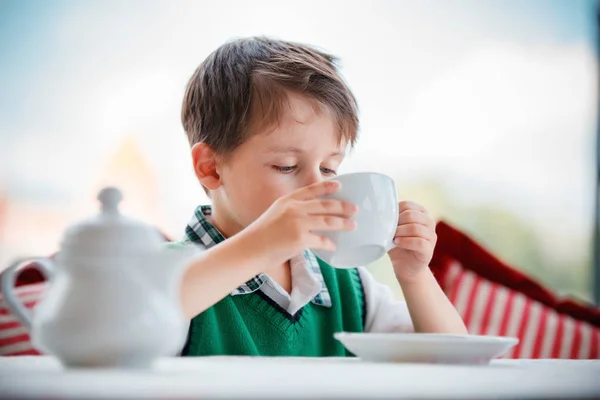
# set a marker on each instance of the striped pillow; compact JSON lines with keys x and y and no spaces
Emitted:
{"x":492,"y":309}
{"x":14,"y":338}
{"x":496,"y":299}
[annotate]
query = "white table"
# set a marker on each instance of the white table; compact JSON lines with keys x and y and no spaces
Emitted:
{"x":212,"y":377}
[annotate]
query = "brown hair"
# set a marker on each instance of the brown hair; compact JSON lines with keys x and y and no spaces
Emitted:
{"x":243,"y":85}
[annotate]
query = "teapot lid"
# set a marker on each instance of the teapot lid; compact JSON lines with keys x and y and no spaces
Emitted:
{"x":109,"y":233}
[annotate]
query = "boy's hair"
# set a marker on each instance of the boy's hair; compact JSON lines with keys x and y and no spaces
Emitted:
{"x":243,"y":86}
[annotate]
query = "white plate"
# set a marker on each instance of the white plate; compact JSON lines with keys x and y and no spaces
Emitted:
{"x":426,"y":348}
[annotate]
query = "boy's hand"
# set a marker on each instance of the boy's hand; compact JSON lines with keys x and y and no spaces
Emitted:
{"x":415,"y":240}
{"x":288,"y":226}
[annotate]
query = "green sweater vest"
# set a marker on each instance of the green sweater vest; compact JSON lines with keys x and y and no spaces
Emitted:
{"x":254,"y":325}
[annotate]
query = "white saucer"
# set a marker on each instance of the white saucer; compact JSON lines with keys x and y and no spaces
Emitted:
{"x":426,"y":348}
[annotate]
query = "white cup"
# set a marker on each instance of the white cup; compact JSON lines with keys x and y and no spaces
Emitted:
{"x":376,"y":221}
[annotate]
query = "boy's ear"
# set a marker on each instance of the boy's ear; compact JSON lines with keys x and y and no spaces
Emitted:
{"x":205,"y":166}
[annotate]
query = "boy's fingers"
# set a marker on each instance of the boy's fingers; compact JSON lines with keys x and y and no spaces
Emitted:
{"x":415,"y":230}
{"x":413,"y":243}
{"x":330,"y":223}
{"x":316,"y":190}
{"x":411,"y":205}
{"x":415,"y":217}
{"x":331,"y":207}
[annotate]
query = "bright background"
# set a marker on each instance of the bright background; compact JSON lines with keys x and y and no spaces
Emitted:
{"x":483,"y":111}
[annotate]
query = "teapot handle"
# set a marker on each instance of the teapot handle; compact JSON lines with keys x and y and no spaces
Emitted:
{"x":9,"y":277}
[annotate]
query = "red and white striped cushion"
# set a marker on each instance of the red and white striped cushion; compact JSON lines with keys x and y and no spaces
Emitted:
{"x":492,"y":309}
{"x":14,"y":338}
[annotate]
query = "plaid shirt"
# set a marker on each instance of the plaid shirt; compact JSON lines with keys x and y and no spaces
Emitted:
{"x":201,"y":232}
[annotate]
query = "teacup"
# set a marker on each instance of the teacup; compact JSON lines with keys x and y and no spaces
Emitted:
{"x":376,"y":221}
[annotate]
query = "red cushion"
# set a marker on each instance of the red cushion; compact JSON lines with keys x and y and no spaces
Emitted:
{"x":14,"y":338}
{"x":30,"y":286}
{"x":492,"y":309}
{"x":495,"y":299}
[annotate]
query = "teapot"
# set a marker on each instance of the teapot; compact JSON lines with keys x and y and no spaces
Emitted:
{"x":113,"y":294}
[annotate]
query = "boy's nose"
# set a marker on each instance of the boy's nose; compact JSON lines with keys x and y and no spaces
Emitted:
{"x":314,"y":177}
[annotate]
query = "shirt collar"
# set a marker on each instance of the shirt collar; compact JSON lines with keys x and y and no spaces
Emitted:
{"x":201,"y":232}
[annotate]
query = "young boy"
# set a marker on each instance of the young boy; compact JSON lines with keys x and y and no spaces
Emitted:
{"x":268,"y":121}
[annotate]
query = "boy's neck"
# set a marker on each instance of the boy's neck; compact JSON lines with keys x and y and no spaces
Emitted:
{"x":223,"y":221}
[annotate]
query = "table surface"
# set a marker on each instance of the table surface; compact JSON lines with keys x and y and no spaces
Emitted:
{"x":279,"y":377}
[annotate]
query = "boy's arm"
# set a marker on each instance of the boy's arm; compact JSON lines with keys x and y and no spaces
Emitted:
{"x":215,"y":273}
{"x":429,"y":308}
{"x":415,"y":240}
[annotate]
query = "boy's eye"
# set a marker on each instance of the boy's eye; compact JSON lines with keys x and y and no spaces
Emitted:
{"x":284,"y":169}
{"x":328,"y":171}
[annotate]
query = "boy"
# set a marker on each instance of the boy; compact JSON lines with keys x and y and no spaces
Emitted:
{"x":268,"y":121}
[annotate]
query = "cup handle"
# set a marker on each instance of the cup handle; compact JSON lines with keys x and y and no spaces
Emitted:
{"x":9,"y":277}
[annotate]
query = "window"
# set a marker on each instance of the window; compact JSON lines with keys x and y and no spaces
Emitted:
{"x":485,"y":112}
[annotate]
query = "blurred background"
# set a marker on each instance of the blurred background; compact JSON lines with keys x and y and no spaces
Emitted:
{"x":483,"y":111}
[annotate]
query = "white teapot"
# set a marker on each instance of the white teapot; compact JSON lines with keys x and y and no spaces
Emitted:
{"x":113,"y":298}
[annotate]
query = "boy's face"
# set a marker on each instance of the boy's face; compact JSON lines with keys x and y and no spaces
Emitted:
{"x":303,"y":149}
